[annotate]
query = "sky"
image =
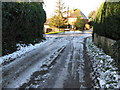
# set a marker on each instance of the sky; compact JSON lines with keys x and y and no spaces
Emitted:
{"x":86,"y":6}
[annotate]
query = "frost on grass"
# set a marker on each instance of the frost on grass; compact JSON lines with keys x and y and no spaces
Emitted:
{"x":104,"y":68}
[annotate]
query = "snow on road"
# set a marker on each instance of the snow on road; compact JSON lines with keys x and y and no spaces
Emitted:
{"x":22,"y":49}
{"x":56,"y":63}
{"x":30,"y":62}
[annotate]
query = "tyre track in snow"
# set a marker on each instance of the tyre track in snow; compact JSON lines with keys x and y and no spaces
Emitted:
{"x":78,"y":66}
{"x":16,"y":70}
{"x":53,"y":72}
{"x":60,"y":63}
{"x":69,"y":71}
{"x":45,"y":68}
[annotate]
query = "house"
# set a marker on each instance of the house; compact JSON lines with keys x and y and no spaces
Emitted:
{"x":47,"y":28}
{"x":70,"y":21}
{"x":73,"y":14}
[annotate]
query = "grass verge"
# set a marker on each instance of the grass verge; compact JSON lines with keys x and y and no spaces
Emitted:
{"x":54,"y":32}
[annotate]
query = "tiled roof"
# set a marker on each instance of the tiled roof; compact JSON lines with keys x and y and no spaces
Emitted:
{"x":77,"y":13}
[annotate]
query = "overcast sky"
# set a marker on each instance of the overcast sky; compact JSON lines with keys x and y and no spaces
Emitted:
{"x":86,"y":6}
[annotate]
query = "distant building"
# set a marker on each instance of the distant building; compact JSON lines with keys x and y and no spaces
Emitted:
{"x":70,"y":20}
{"x":73,"y":14}
{"x":46,"y":26}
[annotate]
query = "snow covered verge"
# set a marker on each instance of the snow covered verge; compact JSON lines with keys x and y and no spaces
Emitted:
{"x":21,"y":50}
{"x":105,"y":72}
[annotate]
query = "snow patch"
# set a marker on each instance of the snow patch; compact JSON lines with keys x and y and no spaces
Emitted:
{"x":103,"y":66}
{"x":72,"y":32}
{"x":21,"y":50}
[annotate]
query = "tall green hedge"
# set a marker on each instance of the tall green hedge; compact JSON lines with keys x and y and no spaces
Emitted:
{"x":107,"y":22}
{"x":21,"y":23}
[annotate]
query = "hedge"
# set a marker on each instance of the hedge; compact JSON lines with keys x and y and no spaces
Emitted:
{"x":107,"y":22}
{"x":21,"y":23}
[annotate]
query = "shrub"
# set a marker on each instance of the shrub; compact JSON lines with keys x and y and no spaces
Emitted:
{"x":107,"y":21}
{"x":80,"y":23}
{"x":21,"y":23}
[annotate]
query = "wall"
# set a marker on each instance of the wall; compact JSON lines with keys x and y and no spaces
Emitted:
{"x":111,"y":47}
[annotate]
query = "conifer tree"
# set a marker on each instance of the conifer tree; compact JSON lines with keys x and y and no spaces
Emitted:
{"x":58,"y":20}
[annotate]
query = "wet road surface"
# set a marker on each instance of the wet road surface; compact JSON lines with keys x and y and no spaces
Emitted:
{"x":62,"y":62}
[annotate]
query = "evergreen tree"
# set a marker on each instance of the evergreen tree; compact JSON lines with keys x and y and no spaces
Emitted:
{"x":21,"y":23}
{"x":107,"y":21}
{"x":58,"y":20}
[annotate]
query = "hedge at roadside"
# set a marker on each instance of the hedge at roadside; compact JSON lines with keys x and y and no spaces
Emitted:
{"x":107,"y":22}
{"x":21,"y":23}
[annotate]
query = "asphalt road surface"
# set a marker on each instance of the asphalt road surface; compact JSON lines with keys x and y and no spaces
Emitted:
{"x":62,"y":62}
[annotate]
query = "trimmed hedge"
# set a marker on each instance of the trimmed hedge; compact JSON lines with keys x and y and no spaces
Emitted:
{"x":107,"y":22}
{"x":21,"y":23}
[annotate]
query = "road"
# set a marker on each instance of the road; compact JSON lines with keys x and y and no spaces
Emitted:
{"x":62,"y":62}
